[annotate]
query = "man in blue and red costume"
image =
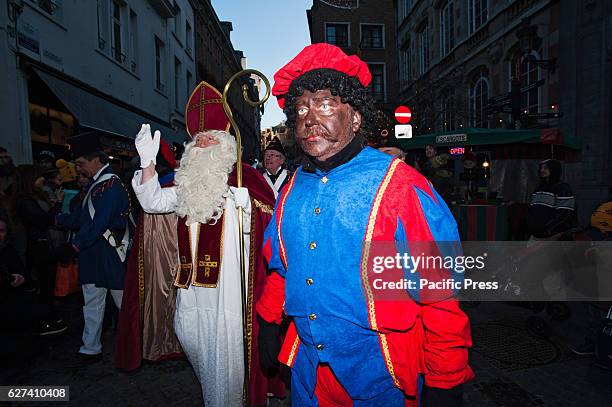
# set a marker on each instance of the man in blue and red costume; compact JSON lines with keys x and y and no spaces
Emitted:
{"x":350,"y":343}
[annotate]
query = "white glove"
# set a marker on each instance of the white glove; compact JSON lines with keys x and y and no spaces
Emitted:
{"x":241,"y":197}
{"x":147,"y":146}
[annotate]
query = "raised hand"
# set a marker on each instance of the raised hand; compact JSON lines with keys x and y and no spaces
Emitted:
{"x":147,"y":146}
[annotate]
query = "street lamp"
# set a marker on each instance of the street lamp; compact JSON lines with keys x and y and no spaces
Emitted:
{"x":527,"y":34}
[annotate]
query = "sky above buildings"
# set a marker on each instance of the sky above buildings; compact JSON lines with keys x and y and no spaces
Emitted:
{"x":270,"y":33}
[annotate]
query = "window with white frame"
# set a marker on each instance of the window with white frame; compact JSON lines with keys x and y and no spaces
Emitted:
{"x":133,"y":41}
{"x":377,"y":86}
{"x":117,"y":29}
{"x":159,"y":65}
{"x":103,"y":14}
{"x":372,"y":36}
{"x":447,"y":26}
{"x":337,"y":34}
{"x":478,"y":14}
{"x":529,"y":74}
{"x":479,"y":96}
{"x":423,"y":50}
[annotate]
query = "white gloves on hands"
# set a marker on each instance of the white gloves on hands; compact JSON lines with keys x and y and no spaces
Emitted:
{"x":147,"y":146}
{"x":241,"y":197}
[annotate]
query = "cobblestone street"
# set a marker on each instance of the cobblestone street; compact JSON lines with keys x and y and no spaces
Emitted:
{"x":550,"y":376}
{"x":54,"y":362}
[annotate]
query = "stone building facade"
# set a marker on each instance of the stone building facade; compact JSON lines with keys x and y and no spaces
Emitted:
{"x":458,"y":59}
{"x":586,"y":97}
{"x":453,"y":56}
{"x":104,"y":65}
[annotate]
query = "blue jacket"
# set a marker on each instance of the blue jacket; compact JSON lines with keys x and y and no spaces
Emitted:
{"x":325,"y":230}
{"x":99,"y":263}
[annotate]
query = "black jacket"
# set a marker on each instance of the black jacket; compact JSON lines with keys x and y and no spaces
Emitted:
{"x":36,"y":220}
{"x":553,"y":205}
{"x":10,"y":263}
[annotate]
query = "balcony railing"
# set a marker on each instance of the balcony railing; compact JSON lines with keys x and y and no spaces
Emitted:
{"x":478,"y":37}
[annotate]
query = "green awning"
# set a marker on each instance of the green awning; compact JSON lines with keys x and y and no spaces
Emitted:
{"x":477,"y":137}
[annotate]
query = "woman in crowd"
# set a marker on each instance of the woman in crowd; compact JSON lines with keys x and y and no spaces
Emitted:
{"x":36,"y":212}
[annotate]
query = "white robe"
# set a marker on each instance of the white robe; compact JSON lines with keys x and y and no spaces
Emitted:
{"x":208,"y":321}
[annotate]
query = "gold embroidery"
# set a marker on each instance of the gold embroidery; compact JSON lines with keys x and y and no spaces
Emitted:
{"x":195,"y":283}
{"x":250,"y":291}
{"x":264,"y":208}
{"x":184,"y":264}
{"x":364,"y":267}
{"x":200,"y":106}
{"x":202,"y":87}
{"x":279,"y":221}
{"x":141,"y":282}
{"x":293,"y":351}
{"x":176,"y":279}
{"x":207,"y":264}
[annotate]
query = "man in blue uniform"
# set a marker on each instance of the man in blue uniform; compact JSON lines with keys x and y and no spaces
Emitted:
{"x":101,"y":238}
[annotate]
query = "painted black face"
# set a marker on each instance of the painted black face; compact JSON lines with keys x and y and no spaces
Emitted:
{"x":324,"y":124}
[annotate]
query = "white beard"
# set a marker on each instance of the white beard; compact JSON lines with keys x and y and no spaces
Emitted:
{"x":201,"y":179}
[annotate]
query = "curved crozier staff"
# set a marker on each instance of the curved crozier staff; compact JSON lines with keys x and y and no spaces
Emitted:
{"x":246,"y":330}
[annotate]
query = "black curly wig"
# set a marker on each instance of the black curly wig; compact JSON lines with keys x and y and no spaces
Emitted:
{"x":349,"y":89}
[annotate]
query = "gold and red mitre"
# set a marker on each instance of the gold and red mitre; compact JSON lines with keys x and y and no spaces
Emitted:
{"x":204,"y":110}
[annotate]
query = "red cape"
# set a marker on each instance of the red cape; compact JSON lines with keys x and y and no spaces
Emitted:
{"x":261,"y":215}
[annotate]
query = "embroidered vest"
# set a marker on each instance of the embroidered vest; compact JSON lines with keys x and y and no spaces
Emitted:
{"x":204,"y":271}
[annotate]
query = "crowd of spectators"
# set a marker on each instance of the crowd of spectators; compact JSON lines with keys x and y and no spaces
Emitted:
{"x":31,"y":196}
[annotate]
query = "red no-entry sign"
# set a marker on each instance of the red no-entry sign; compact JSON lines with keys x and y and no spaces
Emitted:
{"x":403,"y":114}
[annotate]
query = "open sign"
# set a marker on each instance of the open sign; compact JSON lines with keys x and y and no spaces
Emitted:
{"x":457,"y":151}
